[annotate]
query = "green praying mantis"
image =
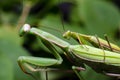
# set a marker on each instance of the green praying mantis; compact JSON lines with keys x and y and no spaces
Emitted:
{"x":94,"y":40}
{"x":80,"y":54}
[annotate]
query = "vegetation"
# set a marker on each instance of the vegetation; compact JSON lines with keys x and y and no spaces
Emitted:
{"x":84,"y":16}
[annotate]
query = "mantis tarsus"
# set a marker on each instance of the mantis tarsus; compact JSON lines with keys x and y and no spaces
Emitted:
{"x":81,"y":54}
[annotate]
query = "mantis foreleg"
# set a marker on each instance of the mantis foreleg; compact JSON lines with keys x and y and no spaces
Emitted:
{"x":37,"y":61}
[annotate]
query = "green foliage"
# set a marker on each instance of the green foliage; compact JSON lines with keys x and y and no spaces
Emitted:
{"x":10,"y":50}
{"x":85,"y":16}
{"x":99,"y":16}
{"x":6,"y":66}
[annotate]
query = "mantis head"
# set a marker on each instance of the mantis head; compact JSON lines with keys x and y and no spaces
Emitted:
{"x":67,"y":34}
{"x":24,"y":29}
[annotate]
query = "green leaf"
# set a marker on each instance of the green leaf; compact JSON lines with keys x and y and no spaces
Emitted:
{"x":10,"y":45}
{"x":99,"y":16}
{"x":6,"y":67}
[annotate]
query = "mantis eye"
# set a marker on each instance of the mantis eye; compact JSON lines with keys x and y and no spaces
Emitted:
{"x":24,"y":29}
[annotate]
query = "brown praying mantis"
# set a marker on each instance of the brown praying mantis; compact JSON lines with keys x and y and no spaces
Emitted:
{"x":81,"y":54}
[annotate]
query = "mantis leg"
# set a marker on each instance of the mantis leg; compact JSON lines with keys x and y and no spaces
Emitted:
{"x":108,"y":42}
{"x":28,"y":61}
{"x":77,"y":71}
{"x":81,"y":38}
{"x":112,"y":74}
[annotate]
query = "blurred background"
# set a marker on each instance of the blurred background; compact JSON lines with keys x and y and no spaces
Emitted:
{"x":93,"y":17}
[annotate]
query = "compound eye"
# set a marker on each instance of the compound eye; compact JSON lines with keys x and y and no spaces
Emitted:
{"x":26,"y":27}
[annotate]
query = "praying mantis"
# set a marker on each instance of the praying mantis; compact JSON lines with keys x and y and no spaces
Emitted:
{"x":81,"y":54}
{"x":94,"y":40}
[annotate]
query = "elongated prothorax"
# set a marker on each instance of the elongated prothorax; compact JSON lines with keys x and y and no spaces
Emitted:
{"x":43,"y":35}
